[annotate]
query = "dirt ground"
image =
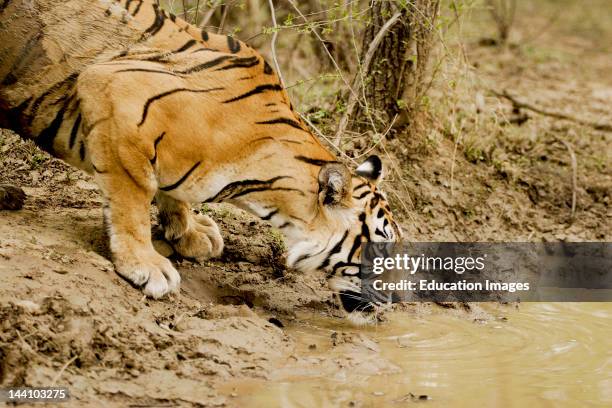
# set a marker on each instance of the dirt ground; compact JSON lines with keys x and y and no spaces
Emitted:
{"x":66,"y":318}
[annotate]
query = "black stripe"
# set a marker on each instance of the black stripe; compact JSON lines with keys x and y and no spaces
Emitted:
{"x":14,"y":118}
{"x":315,"y":162}
{"x":206,"y":49}
{"x":157,"y":25}
{"x":82,"y":151}
{"x":365,"y":230}
{"x":46,"y":138}
{"x":159,"y":138}
{"x":362,"y":195}
{"x":345,"y":264}
{"x":354,"y":247}
{"x":246,"y":62}
{"x":181,"y":180}
{"x":173,"y":17}
{"x":167,"y":93}
{"x":137,"y":8}
{"x":380,"y":233}
{"x":285,"y":225}
{"x":281,"y":121}
{"x":336,"y":249}
{"x":135,"y":55}
{"x":298,"y":218}
{"x":240,"y":188}
{"x":155,"y":58}
{"x":261,"y":139}
{"x":98,"y":170}
{"x":270,"y":104}
{"x":204,"y":35}
{"x":259,"y":189}
{"x":290,"y":141}
{"x":154,"y":71}
{"x":258,"y":89}
{"x":268,"y":69}
{"x":187,"y":45}
{"x":270,"y":215}
{"x":206,"y":65}
{"x":74,"y":131}
{"x":358,"y":186}
{"x":375,"y":201}
{"x":233,"y":45}
{"x":69,"y":80}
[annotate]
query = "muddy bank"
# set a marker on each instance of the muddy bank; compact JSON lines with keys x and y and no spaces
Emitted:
{"x":67,"y":318}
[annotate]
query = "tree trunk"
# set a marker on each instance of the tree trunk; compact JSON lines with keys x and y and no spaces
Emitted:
{"x":393,"y":81}
{"x":383,"y":79}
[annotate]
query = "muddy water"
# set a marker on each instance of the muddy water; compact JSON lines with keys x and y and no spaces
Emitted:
{"x":539,"y":355}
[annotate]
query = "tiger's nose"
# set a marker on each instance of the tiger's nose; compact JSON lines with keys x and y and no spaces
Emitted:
{"x":352,"y":301}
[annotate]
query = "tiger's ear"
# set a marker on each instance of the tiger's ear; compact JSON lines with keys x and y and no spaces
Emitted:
{"x":372,"y":169}
{"x":334,"y":184}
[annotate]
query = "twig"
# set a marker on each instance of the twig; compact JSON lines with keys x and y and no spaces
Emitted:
{"x":574,"y":175}
{"x":384,"y":135}
{"x":209,"y":14}
{"x":273,"y":43}
{"x":350,"y":107}
{"x":195,"y":20}
{"x":331,"y":57}
{"x":606,"y":127}
{"x":321,"y":135}
{"x":184,"y":11}
{"x":225,"y":8}
{"x":61,"y":371}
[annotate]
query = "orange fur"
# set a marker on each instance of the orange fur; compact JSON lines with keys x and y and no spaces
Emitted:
{"x":187,"y":116}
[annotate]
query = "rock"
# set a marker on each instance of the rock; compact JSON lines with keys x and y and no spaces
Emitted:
{"x":84,"y":185}
{"x":11,"y":197}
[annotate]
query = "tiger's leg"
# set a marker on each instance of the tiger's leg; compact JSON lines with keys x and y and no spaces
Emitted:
{"x":192,"y":235}
{"x":120,"y":157}
{"x":127,"y":216}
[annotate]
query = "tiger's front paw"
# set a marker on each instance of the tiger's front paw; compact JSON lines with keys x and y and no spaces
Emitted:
{"x":202,"y":239}
{"x":154,"y":273}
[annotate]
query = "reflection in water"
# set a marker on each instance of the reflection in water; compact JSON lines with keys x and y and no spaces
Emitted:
{"x":540,"y":355}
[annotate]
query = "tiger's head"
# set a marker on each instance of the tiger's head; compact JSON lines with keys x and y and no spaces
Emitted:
{"x":351,"y":210}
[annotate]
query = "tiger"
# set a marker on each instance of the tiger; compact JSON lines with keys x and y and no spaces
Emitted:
{"x":158,"y":110}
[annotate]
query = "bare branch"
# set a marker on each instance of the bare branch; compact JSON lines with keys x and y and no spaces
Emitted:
{"x":606,"y":127}
{"x":210,"y":13}
{"x":225,"y":9}
{"x":331,"y":57}
{"x":273,"y":43}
